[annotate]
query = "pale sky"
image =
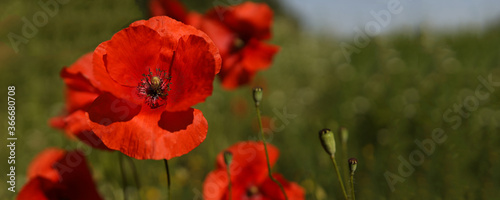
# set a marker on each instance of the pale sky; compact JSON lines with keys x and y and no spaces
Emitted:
{"x":342,"y":16}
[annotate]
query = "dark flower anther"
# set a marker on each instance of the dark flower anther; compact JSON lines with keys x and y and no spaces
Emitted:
{"x":154,"y":88}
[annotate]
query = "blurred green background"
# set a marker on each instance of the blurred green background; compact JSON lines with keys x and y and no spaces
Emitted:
{"x":395,"y":91}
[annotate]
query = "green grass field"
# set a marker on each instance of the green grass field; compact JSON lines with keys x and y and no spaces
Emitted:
{"x":395,"y":91}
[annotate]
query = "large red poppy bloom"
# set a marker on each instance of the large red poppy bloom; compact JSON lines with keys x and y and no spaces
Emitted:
{"x":80,"y":93}
{"x":238,"y":31}
{"x":249,"y":176}
{"x":57,"y":174}
{"x":151,"y":74}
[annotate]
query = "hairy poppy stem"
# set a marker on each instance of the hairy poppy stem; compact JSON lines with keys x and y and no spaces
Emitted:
{"x":229,"y":184}
{"x":339,"y":177}
{"x":353,"y":163}
{"x":267,"y":155}
{"x":124,"y":180}
{"x":168,"y":178}
{"x":352,"y":187}
{"x":228,"y":159}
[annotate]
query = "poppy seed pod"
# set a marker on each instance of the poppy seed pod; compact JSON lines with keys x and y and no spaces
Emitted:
{"x":257,"y":95}
{"x":353,"y":163}
{"x":228,"y":157}
{"x":328,"y":141}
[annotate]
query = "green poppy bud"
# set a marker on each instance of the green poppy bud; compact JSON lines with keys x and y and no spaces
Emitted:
{"x":328,"y":141}
{"x":353,"y":163}
{"x":228,"y":157}
{"x":257,"y":95}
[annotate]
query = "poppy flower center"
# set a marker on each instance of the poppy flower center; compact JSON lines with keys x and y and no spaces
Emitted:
{"x":238,"y":44}
{"x":252,"y":191}
{"x":154,"y":88}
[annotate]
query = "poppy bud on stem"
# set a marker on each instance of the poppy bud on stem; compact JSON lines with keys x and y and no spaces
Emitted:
{"x":228,"y":158}
{"x":328,"y":142}
{"x":257,"y":97}
{"x":353,"y":163}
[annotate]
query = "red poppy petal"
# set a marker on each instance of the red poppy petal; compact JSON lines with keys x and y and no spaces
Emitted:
{"x":172,"y":31}
{"x":79,"y":76}
{"x":222,"y":36}
{"x":84,"y":67}
{"x":104,"y":81}
{"x":215,"y":185}
{"x":77,"y":125}
{"x":42,"y":164}
{"x":148,"y":134}
{"x":250,"y":20}
{"x":171,"y":8}
{"x":68,"y":169}
{"x":42,"y":189}
{"x":131,"y":53}
{"x":192,"y":74}
{"x":79,"y":100}
{"x":233,"y":76}
{"x":273,"y":191}
{"x":249,"y":165}
{"x":258,"y":55}
{"x":76,"y":176}
{"x":57,"y":122}
{"x":107,"y":109}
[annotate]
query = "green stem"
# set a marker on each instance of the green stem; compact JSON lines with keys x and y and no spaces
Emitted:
{"x":339,"y":177}
{"x":267,"y":155}
{"x":344,"y":157}
{"x":352,"y":187}
{"x":124,"y":180}
{"x":168,"y":178}
{"x":136,"y":176}
{"x":229,"y":183}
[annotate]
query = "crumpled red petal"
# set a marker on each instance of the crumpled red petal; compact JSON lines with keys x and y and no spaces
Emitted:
{"x":172,"y":30}
{"x":143,"y":133}
{"x":133,"y":52}
{"x":104,"y":82}
{"x":192,"y":74}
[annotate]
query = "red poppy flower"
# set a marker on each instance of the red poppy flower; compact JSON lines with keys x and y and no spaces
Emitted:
{"x":57,"y":174}
{"x":152,"y":73}
{"x":249,"y":176}
{"x":171,"y":8}
{"x":238,"y":31}
{"x":80,"y":93}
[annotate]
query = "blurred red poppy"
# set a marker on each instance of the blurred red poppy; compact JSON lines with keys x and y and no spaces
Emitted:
{"x":249,"y":176}
{"x":57,"y":174}
{"x":238,"y":31}
{"x":80,"y":93}
{"x":171,"y":8}
{"x":151,"y":73}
